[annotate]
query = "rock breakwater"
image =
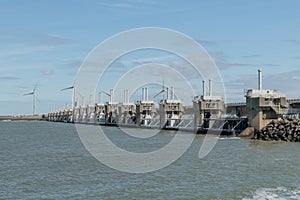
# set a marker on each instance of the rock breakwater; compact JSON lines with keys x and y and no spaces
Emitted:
{"x":280,"y":130}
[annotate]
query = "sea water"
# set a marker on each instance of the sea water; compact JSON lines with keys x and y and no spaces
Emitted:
{"x":44,"y":160}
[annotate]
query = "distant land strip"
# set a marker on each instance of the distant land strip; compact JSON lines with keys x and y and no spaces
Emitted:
{"x":22,"y":117}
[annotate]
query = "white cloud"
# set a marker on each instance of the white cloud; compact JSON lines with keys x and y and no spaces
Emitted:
{"x":293,"y":41}
{"x":33,"y":39}
{"x":14,"y":44}
{"x":24,"y":50}
{"x":252,"y":56}
{"x":149,"y":60}
{"x":9,"y":78}
{"x":118,"y":5}
{"x":48,"y":72}
{"x":286,"y":82}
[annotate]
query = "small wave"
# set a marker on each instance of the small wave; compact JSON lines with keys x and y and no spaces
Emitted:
{"x":280,"y":193}
{"x":229,"y":138}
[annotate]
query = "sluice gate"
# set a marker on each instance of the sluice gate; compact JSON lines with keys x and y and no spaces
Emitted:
{"x":225,"y":126}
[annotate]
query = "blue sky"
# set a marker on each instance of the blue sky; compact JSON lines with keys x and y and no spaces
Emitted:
{"x":46,"y":41}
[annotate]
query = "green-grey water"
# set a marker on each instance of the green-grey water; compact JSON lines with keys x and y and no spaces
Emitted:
{"x":41,"y":160}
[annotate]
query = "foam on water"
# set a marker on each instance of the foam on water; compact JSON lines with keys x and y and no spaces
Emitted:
{"x":279,"y":193}
{"x":229,"y":138}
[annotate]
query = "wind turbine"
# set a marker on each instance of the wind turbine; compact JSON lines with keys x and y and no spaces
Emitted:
{"x":162,"y":90}
{"x":74,"y":94}
{"x":105,"y":93}
{"x":74,"y":98}
{"x":33,"y":93}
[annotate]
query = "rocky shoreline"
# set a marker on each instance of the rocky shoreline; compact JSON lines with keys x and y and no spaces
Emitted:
{"x":280,"y":130}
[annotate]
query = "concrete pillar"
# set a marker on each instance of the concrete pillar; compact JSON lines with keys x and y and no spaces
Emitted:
{"x":203,"y":88}
{"x":111,"y":94}
{"x":143,"y":94}
{"x":146,"y":93}
{"x":210,"y":87}
{"x":259,"y":79}
{"x":162,"y":115}
{"x":173,"y":93}
{"x":168,"y":93}
{"x":197,"y":115}
{"x":138,"y":114}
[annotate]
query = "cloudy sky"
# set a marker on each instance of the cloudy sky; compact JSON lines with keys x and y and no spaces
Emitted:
{"x":45,"y":42}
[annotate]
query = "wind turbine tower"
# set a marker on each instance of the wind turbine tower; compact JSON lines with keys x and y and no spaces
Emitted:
{"x":33,"y":93}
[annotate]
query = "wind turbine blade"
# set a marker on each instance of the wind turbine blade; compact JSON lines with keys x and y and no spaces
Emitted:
{"x":34,"y":89}
{"x":105,"y":93}
{"x":68,"y":88}
{"x":158,"y":93}
{"x":31,"y":93}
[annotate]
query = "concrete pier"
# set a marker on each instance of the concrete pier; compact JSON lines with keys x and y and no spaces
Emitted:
{"x":83,"y":114}
{"x":127,"y":113}
{"x":145,"y":112}
{"x":111,"y":113}
{"x":91,"y":117}
{"x":265,"y":106}
{"x":76,"y":115}
{"x":170,"y":111}
{"x":100,"y":113}
{"x":207,"y":108}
